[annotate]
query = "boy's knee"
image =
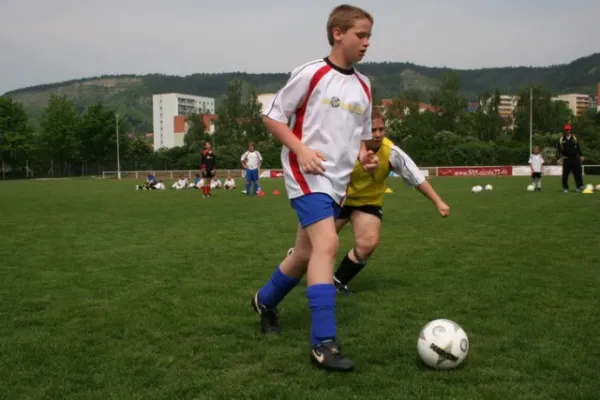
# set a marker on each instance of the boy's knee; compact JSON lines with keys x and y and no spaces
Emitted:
{"x":366,"y":244}
{"x":327,"y":244}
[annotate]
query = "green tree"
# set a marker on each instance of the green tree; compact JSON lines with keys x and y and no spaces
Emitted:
{"x":58,"y":138}
{"x":196,"y":133}
{"x":450,"y":104}
{"x":140,"y":151}
{"x":486,"y":122}
{"x":16,"y":135}
{"x":547,"y":115}
{"x":97,"y":135}
{"x":239,"y":117}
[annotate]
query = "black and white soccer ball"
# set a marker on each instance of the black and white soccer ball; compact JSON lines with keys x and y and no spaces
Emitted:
{"x":443,"y":344}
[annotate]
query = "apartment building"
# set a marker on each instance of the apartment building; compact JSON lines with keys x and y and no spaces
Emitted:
{"x":169,"y":112}
{"x":578,"y":103}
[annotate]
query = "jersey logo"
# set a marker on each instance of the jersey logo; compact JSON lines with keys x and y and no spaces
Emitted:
{"x":336,"y":102}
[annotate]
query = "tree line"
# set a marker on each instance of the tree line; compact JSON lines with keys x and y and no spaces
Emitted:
{"x":71,"y":141}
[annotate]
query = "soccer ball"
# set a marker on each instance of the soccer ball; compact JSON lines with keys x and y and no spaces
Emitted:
{"x":443,"y":344}
{"x":476,"y":189}
{"x":597,"y":187}
{"x":589,"y":186}
{"x":489,"y":188}
{"x":530,"y":188}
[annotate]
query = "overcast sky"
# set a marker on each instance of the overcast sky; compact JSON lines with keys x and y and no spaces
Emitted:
{"x":45,"y":41}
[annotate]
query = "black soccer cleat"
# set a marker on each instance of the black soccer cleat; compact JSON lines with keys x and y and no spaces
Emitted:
{"x":342,"y":289}
{"x":327,"y":356}
{"x":269,"y":318}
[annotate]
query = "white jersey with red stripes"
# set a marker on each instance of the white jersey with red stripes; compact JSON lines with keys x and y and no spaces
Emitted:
{"x":329,"y":109}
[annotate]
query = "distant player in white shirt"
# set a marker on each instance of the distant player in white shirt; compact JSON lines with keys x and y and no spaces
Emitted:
{"x":229,"y":183}
{"x":322,"y":116}
{"x":536,"y":162}
{"x":251,"y":161}
{"x":215,"y":183}
{"x":182,"y":183}
{"x":160,"y":185}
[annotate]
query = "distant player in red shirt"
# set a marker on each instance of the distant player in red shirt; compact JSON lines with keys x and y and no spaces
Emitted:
{"x":208,"y":167}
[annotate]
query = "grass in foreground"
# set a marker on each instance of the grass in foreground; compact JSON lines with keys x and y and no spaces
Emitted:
{"x":108,"y":293}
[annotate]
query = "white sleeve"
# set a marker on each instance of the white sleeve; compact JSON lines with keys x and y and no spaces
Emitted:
{"x":289,"y":98}
{"x":404,"y":166}
{"x":542,"y":159}
{"x":367,"y":133}
{"x":530,"y":159}
{"x":244,"y":156}
{"x":259,"y":156}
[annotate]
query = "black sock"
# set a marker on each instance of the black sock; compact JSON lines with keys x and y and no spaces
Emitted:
{"x":347,"y":270}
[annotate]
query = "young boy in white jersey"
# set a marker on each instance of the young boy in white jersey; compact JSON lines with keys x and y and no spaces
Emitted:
{"x":229,"y":183}
{"x":327,"y":104}
{"x":182,"y":183}
{"x":536,"y":162}
{"x":251,"y":161}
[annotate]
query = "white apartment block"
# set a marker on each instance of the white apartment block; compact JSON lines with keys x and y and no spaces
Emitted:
{"x":168,"y":116}
{"x":507,"y":105}
{"x":578,"y":103}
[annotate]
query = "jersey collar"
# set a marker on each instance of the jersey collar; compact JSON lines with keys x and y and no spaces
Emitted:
{"x":341,"y":70}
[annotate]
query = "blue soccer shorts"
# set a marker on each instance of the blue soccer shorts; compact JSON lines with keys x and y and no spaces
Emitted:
{"x":251,"y":175}
{"x":314,"y":207}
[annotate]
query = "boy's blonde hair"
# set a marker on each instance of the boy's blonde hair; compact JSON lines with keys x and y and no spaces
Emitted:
{"x":376,"y":114}
{"x":343,"y":17}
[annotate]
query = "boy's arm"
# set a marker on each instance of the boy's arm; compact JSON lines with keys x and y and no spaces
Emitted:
{"x":243,"y":159}
{"x":403,"y":165}
{"x":284,"y":105}
{"x":367,"y":131}
{"x":531,"y":163}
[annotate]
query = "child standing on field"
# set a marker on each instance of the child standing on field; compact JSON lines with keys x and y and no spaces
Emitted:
{"x":536,"y":162}
{"x":327,"y":103}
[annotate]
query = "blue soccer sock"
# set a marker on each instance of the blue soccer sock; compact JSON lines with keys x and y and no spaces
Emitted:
{"x":247,"y":187}
{"x":276,"y":289}
{"x":321,"y":301}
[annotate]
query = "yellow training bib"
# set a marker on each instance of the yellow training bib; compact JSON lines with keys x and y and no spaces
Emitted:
{"x":366,"y":188}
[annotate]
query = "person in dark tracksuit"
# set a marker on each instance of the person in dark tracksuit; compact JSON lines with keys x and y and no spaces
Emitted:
{"x":568,"y":148}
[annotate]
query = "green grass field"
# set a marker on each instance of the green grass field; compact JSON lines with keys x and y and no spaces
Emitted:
{"x":109,"y":293}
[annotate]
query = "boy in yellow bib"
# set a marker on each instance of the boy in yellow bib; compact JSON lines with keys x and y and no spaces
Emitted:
{"x":363,"y":206}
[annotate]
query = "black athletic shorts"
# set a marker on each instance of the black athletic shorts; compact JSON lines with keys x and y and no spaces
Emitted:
{"x":208,"y":174}
{"x":536,"y":175}
{"x":367,"y":209}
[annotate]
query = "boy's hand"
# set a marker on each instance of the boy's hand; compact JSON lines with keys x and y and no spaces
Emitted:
{"x":369,"y":161}
{"x":442,"y":208}
{"x":311,"y":161}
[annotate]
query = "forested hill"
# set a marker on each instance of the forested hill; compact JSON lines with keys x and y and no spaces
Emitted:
{"x":131,"y":94}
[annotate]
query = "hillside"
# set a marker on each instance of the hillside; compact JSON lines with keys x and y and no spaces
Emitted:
{"x":131,"y":94}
